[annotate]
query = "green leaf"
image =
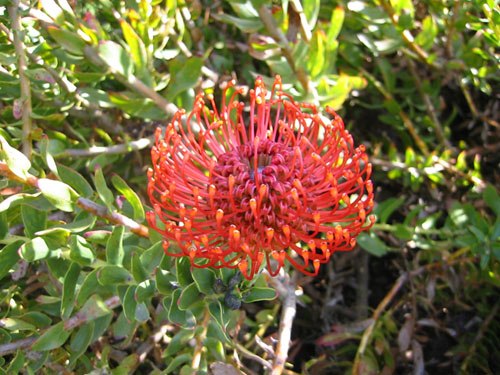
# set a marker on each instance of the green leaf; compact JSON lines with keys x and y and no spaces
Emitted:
{"x":68,"y":40}
{"x":217,"y":312}
{"x":260,"y":294}
{"x":116,"y":57}
{"x":124,"y":327}
{"x":385,"y":209}
{"x":94,"y":308}
{"x":34,"y":220}
{"x":4,"y":225}
{"x":75,"y":180}
{"x":69,"y":286}
{"x":52,"y":339}
{"x":53,"y":10}
{"x":183,"y":268}
{"x":15,"y":200}
{"x":317,"y":55}
{"x":185,"y":78}
{"x":80,"y":341}
{"x":130,"y":195}
{"x":248,"y":25}
{"x":204,"y":279}
{"x":495,"y":232}
{"x":152,"y":257}
{"x":458,"y":214}
{"x":58,"y":193}
{"x":491,"y":197}
{"x":101,"y":325}
{"x":145,"y":290}
{"x":16,"y":161}
{"x":9,"y":257}
{"x":174,"y":313}
{"x":178,"y":342}
{"x":82,"y":221}
{"x":165,"y":281}
{"x":114,"y":247}
{"x":88,"y":287}
{"x":478,"y":233}
{"x":14,"y":324}
{"x":336,"y":21}
{"x":141,"y":312}
{"x":178,"y":361}
{"x":136,"y":45}
{"x":102,"y":189}
{"x":403,"y":232}
{"x":113,"y":275}
{"x":47,"y":157}
{"x":17,"y":363}
{"x":189,"y":296}
{"x":80,"y":251}
{"x":38,"y":319}
{"x":37,"y":249}
{"x":138,"y":271}
{"x":129,"y":303}
{"x":372,"y":244}
{"x":426,"y":38}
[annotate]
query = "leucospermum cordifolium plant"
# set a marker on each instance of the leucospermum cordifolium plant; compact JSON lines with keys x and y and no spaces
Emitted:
{"x":86,"y":286}
{"x":239,"y":189}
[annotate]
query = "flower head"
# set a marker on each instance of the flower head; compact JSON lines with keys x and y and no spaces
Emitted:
{"x":280,"y":183}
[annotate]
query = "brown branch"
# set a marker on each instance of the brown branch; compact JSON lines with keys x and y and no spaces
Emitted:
{"x":248,"y":354}
{"x":113,"y":217}
{"x":83,"y":203}
{"x":288,"y":309}
{"x":24,"y":81}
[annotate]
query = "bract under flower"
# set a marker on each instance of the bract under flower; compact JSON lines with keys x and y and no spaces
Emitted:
{"x":277,"y":184}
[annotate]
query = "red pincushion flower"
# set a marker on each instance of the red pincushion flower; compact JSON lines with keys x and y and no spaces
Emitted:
{"x":234,"y":189}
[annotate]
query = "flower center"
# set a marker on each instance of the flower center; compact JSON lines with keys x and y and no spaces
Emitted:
{"x":262,"y":178}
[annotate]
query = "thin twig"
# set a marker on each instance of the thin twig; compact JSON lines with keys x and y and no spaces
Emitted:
{"x":288,"y":309}
{"x":431,"y":111}
{"x":132,"y":82}
{"x":247,"y":353}
{"x":195,"y":364}
{"x":75,"y":321}
{"x":84,"y":203}
{"x":113,"y":217}
{"x":24,"y":81}
{"x":270,"y":24}
{"x":407,"y":36}
{"x":136,"y":145}
{"x":406,"y":120}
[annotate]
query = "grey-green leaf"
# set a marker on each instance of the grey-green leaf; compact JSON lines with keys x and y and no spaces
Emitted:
{"x":69,"y":285}
{"x":114,"y":247}
{"x":52,"y":339}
